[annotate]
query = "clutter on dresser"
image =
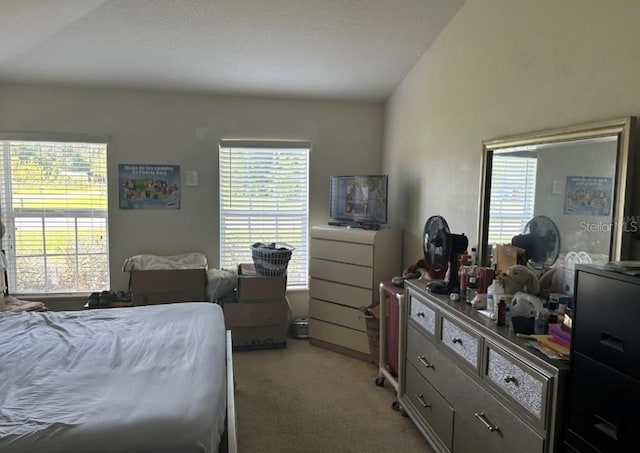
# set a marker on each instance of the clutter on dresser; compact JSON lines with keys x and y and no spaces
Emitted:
{"x":411,"y":272}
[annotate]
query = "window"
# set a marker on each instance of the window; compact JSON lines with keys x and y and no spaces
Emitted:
{"x":264,"y":190}
{"x":53,"y":198}
{"x":513,"y":188}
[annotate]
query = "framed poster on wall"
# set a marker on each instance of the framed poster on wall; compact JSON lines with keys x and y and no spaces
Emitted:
{"x":147,"y":186}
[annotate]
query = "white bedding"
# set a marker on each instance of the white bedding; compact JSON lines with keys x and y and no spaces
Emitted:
{"x":114,"y":380}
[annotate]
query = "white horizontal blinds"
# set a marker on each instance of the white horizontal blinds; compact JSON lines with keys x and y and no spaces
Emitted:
{"x":54,"y":207}
{"x":513,"y":186}
{"x":264,"y":198}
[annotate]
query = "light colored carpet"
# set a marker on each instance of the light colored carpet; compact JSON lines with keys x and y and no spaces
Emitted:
{"x":307,"y":399}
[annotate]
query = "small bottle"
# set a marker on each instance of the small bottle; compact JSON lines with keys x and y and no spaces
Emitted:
{"x":473,"y":256}
{"x":502,"y":311}
{"x":472,"y":288}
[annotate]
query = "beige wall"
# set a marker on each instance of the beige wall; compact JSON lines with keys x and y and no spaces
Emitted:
{"x":501,"y":67}
{"x":180,"y":129}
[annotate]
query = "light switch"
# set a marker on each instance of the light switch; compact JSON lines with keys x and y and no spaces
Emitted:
{"x":556,"y":188}
{"x":191,"y":178}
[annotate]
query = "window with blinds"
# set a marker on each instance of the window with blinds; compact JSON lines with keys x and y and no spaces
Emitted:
{"x":53,"y":197}
{"x":513,"y":188}
{"x":264,"y":191}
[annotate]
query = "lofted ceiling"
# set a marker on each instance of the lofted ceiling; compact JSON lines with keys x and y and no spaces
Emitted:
{"x":326,"y":49}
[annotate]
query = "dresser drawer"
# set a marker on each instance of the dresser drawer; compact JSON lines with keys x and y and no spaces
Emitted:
{"x":464,"y":343}
{"x":422,"y":313}
{"x":341,"y":272}
{"x":352,"y":296}
{"x":484,"y":425}
{"x":337,"y":314}
{"x":343,"y":252}
{"x":518,"y":381}
{"x":427,"y":358}
{"x":435,"y":411}
{"x":338,"y":335}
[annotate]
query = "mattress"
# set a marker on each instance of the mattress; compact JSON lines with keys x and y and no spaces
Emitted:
{"x":122,"y":380}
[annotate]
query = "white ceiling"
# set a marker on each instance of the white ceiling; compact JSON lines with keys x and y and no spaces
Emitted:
{"x":334,"y":49}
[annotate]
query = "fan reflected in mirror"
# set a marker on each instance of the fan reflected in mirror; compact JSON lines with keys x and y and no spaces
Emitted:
{"x":540,"y":241}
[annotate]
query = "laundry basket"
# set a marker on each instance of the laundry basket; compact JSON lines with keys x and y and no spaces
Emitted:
{"x":271,"y":260}
{"x":373,"y":334}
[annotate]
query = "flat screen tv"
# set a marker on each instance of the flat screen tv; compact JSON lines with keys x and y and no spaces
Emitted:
{"x":359,"y":199}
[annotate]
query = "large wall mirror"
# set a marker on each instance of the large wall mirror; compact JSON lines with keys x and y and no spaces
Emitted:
{"x":561,"y":194}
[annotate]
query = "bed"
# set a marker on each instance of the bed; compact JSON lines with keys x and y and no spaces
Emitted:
{"x":154,"y":378}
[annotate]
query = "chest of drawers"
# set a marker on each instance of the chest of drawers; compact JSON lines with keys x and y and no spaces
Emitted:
{"x":346,"y":268}
{"x":604,"y":393}
{"x":471,"y":386}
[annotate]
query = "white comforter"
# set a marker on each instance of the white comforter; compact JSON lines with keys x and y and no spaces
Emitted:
{"x":114,"y":380}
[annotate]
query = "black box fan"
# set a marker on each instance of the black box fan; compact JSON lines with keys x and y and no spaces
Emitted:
{"x":441,"y":250}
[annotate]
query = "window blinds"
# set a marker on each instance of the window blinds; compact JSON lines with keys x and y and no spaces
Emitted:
{"x":264,"y":189}
{"x":513,"y":187}
{"x":54,"y":208}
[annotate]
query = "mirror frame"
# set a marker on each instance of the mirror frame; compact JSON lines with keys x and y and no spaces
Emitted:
{"x":623,"y":128}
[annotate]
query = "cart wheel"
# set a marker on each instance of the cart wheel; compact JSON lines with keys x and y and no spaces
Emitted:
{"x":380,"y":382}
{"x":396,"y":406}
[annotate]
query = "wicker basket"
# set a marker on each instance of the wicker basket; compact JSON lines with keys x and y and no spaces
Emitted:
{"x":271,"y":260}
{"x":373,"y":334}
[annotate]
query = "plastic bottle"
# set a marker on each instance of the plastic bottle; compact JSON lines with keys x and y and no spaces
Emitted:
{"x":494,"y":290}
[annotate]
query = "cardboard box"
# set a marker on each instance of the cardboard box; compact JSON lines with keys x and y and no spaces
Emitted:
{"x":252,"y":287}
{"x":263,"y":325}
{"x":507,"y":256}
{"x":165,"y":286}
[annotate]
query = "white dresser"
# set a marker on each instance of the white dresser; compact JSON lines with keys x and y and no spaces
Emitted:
{"x":346,"y":268}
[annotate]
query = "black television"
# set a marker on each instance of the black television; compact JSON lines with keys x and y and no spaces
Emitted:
{"x":359,"y":200}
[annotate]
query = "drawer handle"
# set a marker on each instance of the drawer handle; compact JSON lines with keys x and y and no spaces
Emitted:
{"x":422,"y":401}
{"x":606,"y":427}
{"x":508,"y":378}
{"x":612,"y":342}
{"x":457,"y":340}
{"x":423,"y":360}
{"x":480,"y":416}
{"x":420,"y":314}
